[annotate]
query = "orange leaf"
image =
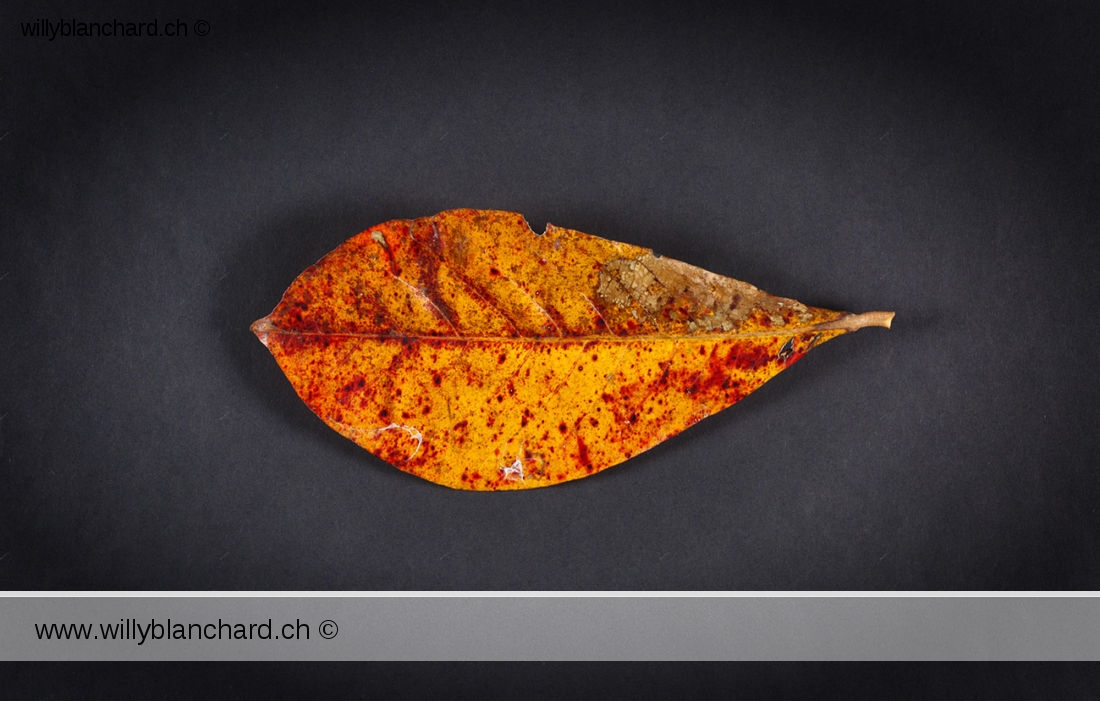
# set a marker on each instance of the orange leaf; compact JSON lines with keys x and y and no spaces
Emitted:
{"x":470,"y":351}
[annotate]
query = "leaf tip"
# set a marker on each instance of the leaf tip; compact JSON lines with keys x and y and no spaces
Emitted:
{"x":262,"y":327}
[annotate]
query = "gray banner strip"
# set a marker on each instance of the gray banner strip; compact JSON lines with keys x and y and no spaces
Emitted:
{"x":549,"y":629}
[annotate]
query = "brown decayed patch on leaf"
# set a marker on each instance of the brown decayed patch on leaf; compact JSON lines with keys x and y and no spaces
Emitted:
{"x":470,"y":351}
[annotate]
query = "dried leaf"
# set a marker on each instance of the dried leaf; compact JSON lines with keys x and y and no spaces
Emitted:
{"x":470,"y":351}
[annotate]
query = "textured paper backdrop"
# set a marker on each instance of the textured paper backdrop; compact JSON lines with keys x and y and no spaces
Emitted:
{"x":940,"y":160}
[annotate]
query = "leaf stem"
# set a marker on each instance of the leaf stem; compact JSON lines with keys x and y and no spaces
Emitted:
{"x":854,"y":322}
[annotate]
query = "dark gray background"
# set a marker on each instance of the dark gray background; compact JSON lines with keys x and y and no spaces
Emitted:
{"x":537,"y":680}
{"x":940,"y":160}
